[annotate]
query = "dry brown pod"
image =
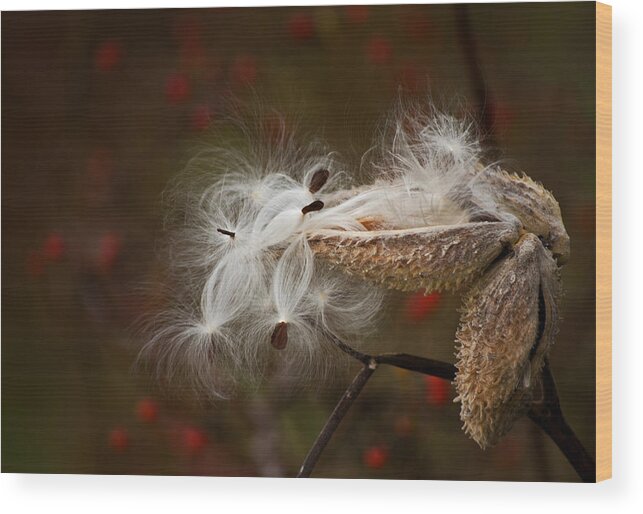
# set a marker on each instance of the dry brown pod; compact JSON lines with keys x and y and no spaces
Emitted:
{"x":431,"y":258}
{"x":510,"y":307}
{"x":507,"y":327}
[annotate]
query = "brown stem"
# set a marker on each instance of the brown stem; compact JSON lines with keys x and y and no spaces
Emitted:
{"x":481,"y":91}
{"x":548,"y":415}
{"x":419,"y":364}
{"x":335,"y":418}
{"x":546,"y":412}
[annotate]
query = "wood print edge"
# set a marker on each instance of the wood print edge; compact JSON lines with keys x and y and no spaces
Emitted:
{"x":603,"y":241}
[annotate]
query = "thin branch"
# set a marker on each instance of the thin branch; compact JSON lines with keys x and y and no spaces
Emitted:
{"x":548,"y":415}
{"x":400,"y":360}
{"x":364,"y":358}
{"x":418,"y":364}
{"x":481,"y":91}
{"x":370,"y":362}
{"x":545,"y":412}
{"x":335,"y":418}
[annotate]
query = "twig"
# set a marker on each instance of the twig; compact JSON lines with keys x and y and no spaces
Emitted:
{"x":400,"y":360}
{"x":546,"y":412}
{"x":481,"y":91}
{"x":370,"y":362}
{"x":418,"y":364}
{"x":548,"y":415}
{"x":335,"y":418}
{"x":364,"y":358}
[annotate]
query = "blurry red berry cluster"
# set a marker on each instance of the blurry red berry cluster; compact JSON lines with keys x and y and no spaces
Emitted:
{"x":184,"y":438}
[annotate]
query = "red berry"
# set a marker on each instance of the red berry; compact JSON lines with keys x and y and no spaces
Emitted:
{"x":301,"y":26}
{"x":118,"y":439}
{"x":109,"y":248}
{"x":376,"y":457}
{"x":501,"y":116}
{"x":586,"y":216}
{"x":244,"y":70}
{"x":403,"y":426}
{"x":379,"y":50}
{"x":54,"y":247}
{"x":177,"y":88}
{"x":356,"y":13}
{"x":108,"y":55}
{"x":147,"y":410}
{"x":437,"y":391}
{"x":201,"y":117}
{"x":187,"y":30}
{"x":194,"y":439}
{"x":512,"y":453}
{"x":419,"y":306}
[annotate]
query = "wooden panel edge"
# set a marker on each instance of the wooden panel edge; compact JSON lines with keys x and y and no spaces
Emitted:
{"x":603,"y":241}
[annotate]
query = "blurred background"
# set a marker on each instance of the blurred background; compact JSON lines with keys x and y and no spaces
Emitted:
{"x":102,"y":109}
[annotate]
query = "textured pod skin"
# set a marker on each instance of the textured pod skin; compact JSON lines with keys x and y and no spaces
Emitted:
{"x":532,"y":204}
{"x":510,"y":314}
{"x":508,"y":324}
{"x":433,"y":258}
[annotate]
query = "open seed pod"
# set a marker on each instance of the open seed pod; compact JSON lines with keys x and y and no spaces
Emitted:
{"x":434,"y":258}
{"x":528,"y":200}
{"x":508,"y":324}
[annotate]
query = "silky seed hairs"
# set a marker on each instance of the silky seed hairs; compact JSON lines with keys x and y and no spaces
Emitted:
{"x":280,"y":254}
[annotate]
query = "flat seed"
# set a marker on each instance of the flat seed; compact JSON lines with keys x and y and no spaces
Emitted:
{"x":317,"y":205}
{"x":279,"y":338}
{"x":226,"y":232}
{"x":319,"y":179}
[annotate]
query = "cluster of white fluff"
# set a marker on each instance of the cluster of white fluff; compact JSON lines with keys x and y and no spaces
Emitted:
{"x":252,"y":284}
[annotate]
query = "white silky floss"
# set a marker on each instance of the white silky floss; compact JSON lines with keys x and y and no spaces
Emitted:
{"x":260,"y":282}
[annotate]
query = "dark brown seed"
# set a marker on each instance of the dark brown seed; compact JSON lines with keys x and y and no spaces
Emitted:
{"x":279,"y":338}
{"x":319,"y":179}
{"x":317,"y":205}
{"x":226,"y":232}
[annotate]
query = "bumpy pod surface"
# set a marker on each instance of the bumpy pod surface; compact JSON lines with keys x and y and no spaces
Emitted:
{"x":433,"y":258}
{"x":508,"y":324}
{"x":531,"y":203}
{"x":267,"y":233}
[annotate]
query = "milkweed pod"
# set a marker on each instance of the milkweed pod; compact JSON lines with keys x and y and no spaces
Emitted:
{"x":508,"y":324}
{"x":434,"y":258}
{"x":531,"y":203}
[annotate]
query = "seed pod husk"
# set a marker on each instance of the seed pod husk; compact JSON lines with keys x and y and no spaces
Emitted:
{"x":531,"y":203}
{"x":508,"y":324}
{"x":434,"y":258}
